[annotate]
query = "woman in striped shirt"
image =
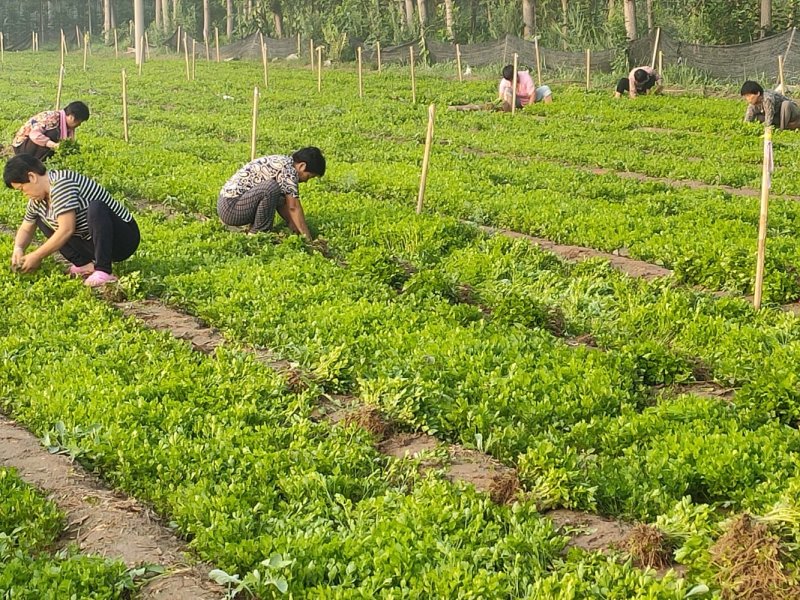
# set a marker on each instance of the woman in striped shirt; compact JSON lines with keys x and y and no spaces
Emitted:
{"x":42,"y":133}
{"x":78,"y":217}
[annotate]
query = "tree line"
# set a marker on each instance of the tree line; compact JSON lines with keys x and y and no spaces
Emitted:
{"x":571,"y":24}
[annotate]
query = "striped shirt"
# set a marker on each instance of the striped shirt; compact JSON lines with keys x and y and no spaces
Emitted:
{"x":278,"y":168}
{"x":72,"y":192}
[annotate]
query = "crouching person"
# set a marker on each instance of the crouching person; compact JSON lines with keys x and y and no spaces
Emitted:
{"x":268,"y":185}
{"x":78,"y":217}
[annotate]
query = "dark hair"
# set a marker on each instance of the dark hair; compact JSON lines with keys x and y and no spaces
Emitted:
{"x":312,"y":156}
{"x":78,"y":110}
{"x":751,"y":87}
{"x":508,"y":72}
{"x":17,"y":169}
{"x":640,"y":76}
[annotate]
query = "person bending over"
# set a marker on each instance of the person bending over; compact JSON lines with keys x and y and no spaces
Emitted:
{"x":78,"y":217}
{"x":770,"y":108}
{"x":641,"y":80}
{"x":42,"y":133}
{"x":527,"y":92}
{"x":269,"y":184}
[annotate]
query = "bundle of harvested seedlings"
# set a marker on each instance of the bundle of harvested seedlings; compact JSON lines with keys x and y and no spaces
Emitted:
{"x":505,"y":487}
{"x":749,"y":563}
{"x":648,"y":546}
{"x":370,"y":418}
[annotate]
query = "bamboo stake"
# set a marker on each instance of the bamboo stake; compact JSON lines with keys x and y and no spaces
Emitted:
{"x":780,"y":73}
{"x":124,"y":106}
{"x":588,"y":69}
{"x":265,"y":62}
{"x":413,"y":77}
{"x":2,"y":48}
{"x":766,"y":174}
{"x":178,"y":46}
{"x":360,"y":80}
{"x":78,"y":35}
{"x":655,"y":47}
{"x":62,"y":47}
{"x":85,"y":50}
{"x":194,"y":58}
{"x":141,"y":55}
{"x":458,"y":62}
{"x":146,"y":50}
{"x":378,"y":46}
{"x":33,"y":42}
{"x":216,"y":41}
{"x":426,"y":159}
{"x":37,"y":41}
{"x":661,"y":63}
{"x":255,"y":124}
{"x":208,"y":49}
{"x":538,"y":61}
{"x":319,"y":68}
{"x":298,"y":45}
{"x":64,"y":43}
{"x":60,"y":86}
{"x":186,"y":55}
{"x":311,"y":49}
{"x":514,"y":85}
{"x":116,"y":45}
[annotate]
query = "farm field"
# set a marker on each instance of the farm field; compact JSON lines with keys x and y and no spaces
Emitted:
{"x":651,"y":401}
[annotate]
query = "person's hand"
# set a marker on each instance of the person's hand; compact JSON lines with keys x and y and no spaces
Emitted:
{"x":321,"y":246}
{"x":17,"y":257}
{"x":30,"y":263}
{"x":55,"y":146}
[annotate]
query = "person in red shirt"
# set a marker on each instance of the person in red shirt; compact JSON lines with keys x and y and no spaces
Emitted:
{"x":527,"y":92}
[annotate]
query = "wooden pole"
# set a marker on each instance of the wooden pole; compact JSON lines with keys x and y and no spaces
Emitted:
{"x":124,"y":106}
{"x":141,"y":56}
{"x":311,"y":48}
{"x":319,"y":68}
{"x":264,"y":62}
{"x":766,"y":175}
{"x":186,"y":55}
{"x":60,"y":86}
{"x":37,"y":41}
{"x":426,"y":159}
{"x":298,"y":45}
{"x":538,"y":61}
{"x":661,"y":63}
{"x":194,"y":58}
{"x":208,"y":49}
{"x":413,"y":77}
{"x":216,"y":41}
{"x":588,"y":69}
{"x":64,"y":43}
{"x":146,"y":47}
{"x":178,"y":46}
{"x":78,"y":35}
{"x":255,"y":124}
{"x":116,"y":45}
{"x":655,"y":47}
{"x":85,"y":50}
{"x":780,"y":74}
{"x":33,"y":42}
{"x":514,"y":85}
{"x":360,"y":77}
{"x":458,"y":62}
{"x":2,"y":48}
{"x":378,"y":46}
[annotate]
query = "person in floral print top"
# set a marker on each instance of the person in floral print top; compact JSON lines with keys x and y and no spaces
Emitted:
{"x":770,"y":108}
{"x":42,"y":133}
{"x":268,"y":185}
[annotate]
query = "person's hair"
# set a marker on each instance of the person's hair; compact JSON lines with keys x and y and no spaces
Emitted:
{"x":17,"y":169}
{"x":312,"y":156}
{"x":78,"y":110}
{"x":508,"y":72}
{"x":751,"y":87}
{"x":640,"y":76}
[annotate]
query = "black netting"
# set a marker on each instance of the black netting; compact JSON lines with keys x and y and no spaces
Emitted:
{"x":755,"y":60}
{"x":248,"y":48}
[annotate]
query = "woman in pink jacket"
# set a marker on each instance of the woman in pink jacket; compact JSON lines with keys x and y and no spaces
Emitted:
{"x":41,"y":134}
{"x":527,"y":92}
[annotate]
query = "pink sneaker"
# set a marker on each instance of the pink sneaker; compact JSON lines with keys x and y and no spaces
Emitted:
{"x":84,"y":271}
{"x":99,"y":278}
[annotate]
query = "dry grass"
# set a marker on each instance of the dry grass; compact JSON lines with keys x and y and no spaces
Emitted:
{"x":749,"y":563}
{"x":648,"y":547}
{"x":505,"y":487}
{"x":370,"y":419}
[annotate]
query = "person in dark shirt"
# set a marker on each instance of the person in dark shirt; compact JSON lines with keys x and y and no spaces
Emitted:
{"x":768,"y":107}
